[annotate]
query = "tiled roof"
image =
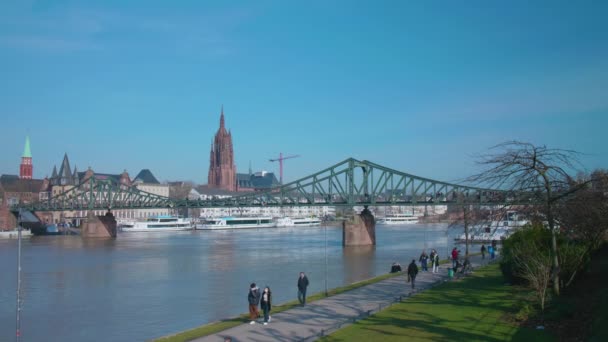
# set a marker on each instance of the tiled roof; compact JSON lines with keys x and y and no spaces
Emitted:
{"x":146,"y":176}
{"x":265,"y":180}
{"x":12,"y":183}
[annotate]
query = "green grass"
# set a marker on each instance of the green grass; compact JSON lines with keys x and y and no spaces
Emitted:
{"x":476,"y":308}
{"x":216,"y":327}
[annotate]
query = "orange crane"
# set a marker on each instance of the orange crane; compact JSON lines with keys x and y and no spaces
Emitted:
{"x":280,"y":160}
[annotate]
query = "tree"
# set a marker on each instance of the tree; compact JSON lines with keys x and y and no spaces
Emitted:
{"x":583,"y":218}
{"x":536,"y":174}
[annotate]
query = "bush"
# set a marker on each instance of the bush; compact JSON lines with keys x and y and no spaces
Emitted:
{"x":537,"y":234}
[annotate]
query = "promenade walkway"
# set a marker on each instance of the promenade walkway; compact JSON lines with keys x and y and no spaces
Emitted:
{"x":329,"y":314}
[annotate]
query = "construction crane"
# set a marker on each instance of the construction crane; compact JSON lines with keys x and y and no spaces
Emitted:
{"x":280,"y":160}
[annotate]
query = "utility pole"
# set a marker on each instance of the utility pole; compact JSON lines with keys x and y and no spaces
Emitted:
{"x":18,"y":323}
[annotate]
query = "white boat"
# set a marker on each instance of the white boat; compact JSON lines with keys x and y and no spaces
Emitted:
{"x":13,"y":234}
{"x":298,"y":222}
{"x":236,"y":223}
{"x":158,"y":224}
{"x":398,"y":219}
{"x":495,"y":230}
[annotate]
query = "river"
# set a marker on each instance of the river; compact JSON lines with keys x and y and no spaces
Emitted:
{"x":146,"y":285}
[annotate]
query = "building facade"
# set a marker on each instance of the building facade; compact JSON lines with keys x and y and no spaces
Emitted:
{"x":222,"y":170}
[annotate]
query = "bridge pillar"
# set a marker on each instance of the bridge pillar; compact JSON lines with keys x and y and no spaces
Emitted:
{"x":99,"y":226}
{"x":361,"y":231}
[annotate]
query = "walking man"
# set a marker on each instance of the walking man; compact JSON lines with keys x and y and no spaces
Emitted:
{"x":412,"y":271}
{"x":302,"y":285}
{"x":483,"y":251}
{"x":254,"y":300}
{"x":423,"y":259}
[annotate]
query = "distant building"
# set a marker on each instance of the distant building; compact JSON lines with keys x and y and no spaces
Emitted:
{"x":222,"y":170}
{"x":22,"y":189}
{"x":259,"y":181}
{"x":66,"y":179}
{"x":15,"y":190}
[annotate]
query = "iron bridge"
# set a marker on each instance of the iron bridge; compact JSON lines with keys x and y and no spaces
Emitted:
{"x":348,"y":183}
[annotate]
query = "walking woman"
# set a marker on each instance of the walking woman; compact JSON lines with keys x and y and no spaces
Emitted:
{"x":266,"y":305}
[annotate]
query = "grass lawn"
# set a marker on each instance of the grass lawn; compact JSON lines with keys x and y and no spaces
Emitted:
{"x":476,"y":308}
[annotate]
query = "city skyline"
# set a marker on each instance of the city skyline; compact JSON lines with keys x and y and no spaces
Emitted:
{"x":419,"y":88}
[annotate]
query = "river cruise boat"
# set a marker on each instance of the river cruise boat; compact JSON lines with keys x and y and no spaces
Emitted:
{"x":158,"y":224}
{"x":14,"y":234}
{"x":236,"y":223}
{"x":398,"y":219}
{"x":497,"y":230}
{"x":298,"y":222}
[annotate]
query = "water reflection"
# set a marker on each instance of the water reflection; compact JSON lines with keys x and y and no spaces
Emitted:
{"x":358,"y":263}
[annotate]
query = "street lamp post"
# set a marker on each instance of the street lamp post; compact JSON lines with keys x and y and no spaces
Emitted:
{"x":325,"y":229}
{"x":18,"y":321}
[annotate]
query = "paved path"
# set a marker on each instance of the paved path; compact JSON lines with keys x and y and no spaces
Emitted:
{"x":329,"y":314}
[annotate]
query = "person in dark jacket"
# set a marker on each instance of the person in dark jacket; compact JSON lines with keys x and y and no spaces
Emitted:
{"x":254,"y":300}
{"x":395,"y":267}
{"x":483,"y":251}
{"x":265,"y":304}
{"x":423,"y":260}
{"x":412,"y":271}
{"x":302,"y":285}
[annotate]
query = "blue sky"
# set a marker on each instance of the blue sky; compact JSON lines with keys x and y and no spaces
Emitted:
{"x":420,"y":87}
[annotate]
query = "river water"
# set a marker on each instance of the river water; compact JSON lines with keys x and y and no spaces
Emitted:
{"x":146,"y":285}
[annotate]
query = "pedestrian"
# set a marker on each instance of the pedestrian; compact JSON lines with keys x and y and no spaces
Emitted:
{"x":253,"y":297}
{"x":483,"y":251}
{"x":423,"y":259}
{"x":454,"y":257}
{"x":302,"y":285}
{"x":493,"y":254}
{"x":435,"y":262}
{"x":412,"y":271}
{"x":265,"y":304}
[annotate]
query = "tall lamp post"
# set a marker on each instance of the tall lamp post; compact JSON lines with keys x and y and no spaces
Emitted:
{"x":18,"y":322}
{"x":325,"y":229}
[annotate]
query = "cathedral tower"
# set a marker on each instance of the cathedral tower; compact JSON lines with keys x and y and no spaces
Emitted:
{"x":222,"y":170}
{"x":26,"y":169}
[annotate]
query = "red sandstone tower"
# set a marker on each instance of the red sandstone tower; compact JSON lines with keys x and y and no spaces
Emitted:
{"x":222,"y":170}
{"x":26,"y":169}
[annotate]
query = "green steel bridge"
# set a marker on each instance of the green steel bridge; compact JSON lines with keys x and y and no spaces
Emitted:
{"x":348,"y":183}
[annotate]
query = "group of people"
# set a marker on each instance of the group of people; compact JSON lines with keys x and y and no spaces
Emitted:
{"x":491,"y":250}
{"x":263,"y":299}
{"x":412,"y":268}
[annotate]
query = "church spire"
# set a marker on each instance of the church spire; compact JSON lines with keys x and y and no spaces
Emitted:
{"x":27,"y":153}
{"x":26,"y":169}
{"x":222,"y":118}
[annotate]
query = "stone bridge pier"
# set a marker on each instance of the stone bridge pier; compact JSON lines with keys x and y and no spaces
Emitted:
{"x":361,"y":231}
{"x":99,"y":226}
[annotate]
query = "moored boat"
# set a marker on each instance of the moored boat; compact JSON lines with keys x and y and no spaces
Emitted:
{"x":398,"y":219}
{"x":236,"y":223}
{"x":298,"y":222}
{"x":163,"y":223}
{"x":495,"y":230}
{"x":14,"y":234}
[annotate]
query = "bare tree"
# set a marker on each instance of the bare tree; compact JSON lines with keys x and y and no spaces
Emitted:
{"x":584,"y":217}
{"x":536,"y":174}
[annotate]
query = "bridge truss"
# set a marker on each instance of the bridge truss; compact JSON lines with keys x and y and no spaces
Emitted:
{"x":348,"y":183}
